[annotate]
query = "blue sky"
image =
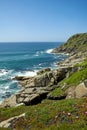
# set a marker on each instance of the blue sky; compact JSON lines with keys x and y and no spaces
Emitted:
{"x":41,"y":20}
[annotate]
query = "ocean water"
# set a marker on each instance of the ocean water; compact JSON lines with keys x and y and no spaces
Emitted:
{"x":24,"y":59}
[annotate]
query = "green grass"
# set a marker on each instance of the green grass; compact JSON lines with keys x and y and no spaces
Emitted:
{"x":57,"y":92}
{"x":83,"y":64}
{"x":75,"y":78}
{"x":49,"y":115}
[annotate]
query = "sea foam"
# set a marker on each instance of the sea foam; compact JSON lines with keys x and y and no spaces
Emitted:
{"x":3,"y":72}
{"x":27,"y":73}
{"x":49,"y":51}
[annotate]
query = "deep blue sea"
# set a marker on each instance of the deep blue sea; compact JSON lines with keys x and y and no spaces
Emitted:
{"x":17,"y":59}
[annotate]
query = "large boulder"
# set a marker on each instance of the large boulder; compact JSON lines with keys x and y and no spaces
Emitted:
{"x":50,"y":78}
{"x":81,"y":90}
{"x":27,"y":82}
{"x":77,"y":91}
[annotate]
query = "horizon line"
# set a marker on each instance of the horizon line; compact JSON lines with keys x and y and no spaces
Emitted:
{"x":28,"y":41}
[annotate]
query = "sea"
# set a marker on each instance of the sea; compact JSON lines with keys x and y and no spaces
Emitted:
{"x":24,"y":59}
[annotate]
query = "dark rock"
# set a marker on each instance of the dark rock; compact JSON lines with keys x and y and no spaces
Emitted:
{"x":18,"y":78}
{"x":85,"y":82}
{"x":32,"y":99}
{"x":31,"y":96}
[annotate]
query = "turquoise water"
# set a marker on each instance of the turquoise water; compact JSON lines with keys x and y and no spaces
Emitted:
{"x":24,"y":59}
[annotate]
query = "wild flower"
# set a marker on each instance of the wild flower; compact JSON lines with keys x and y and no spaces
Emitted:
{"x":69,"y":114}
{"x":63,"y":112}
{"x":86,"y":112}
{"x":77,"y":117}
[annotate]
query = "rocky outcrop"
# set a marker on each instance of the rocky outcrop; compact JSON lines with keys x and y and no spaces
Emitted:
{"x":35,"y":89}
{"x":9,"y":102}
{"x":31,"y":96}
{"x":10,"y":122}
{"x":48,"y":78}
{"x":51,"y":78}
{"x":77,"y":91}
{"x":72,"y":61}
{"x":81,"y":90}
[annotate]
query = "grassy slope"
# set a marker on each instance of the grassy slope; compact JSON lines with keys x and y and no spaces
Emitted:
{"x":76,"y":43}
{"x":78,"y":39}
{"x":50,"y":115}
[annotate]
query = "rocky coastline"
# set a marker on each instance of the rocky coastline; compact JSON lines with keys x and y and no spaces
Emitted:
{"x":37,"y":88}
{"x":52,"y":97}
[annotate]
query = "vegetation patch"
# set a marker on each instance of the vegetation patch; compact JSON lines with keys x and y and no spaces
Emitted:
{"x":49,"y":115}
{"x":83,"y":64}
{"x":74,"y":79}
{"x":58,"y":92}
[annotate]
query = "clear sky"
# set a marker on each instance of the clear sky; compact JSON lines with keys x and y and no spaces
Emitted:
{"x":41,"y":20}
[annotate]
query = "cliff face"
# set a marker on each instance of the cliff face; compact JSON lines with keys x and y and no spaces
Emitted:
{"x":75,"y":44}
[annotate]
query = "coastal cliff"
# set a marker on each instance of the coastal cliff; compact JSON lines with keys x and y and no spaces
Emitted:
{"x":52,"y":97}
{"x":74,"y":45}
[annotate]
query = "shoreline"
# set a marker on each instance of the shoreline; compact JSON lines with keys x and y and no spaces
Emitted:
{"x":22,"y":79}
{"x":37,"y":88}
{"x":18,"y":78}
{"x":12,"y":70}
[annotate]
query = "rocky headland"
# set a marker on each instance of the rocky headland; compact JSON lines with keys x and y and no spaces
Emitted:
{"x":40,"y":87}
{"x":69,"y":81}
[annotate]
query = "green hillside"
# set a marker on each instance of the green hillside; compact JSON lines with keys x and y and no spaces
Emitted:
{"x":75,"y":44}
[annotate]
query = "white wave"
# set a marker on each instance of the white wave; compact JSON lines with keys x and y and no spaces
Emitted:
{"x":2,"y":91}
{"x":6,"y":72}
{"x":40,"y":64}
{"x":7,"y":87}
{"x":27,"y":73}
{"x":49,"y":51}
{"x":39,"y":53}
{"x":55,"y":64}
{"x":3,"y":72}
